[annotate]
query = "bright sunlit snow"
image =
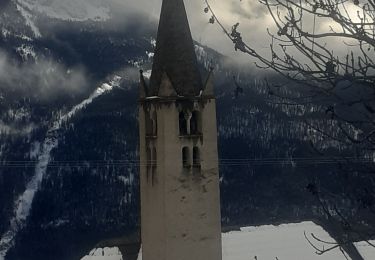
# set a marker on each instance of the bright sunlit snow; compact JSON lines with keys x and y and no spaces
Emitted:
{"x":366,"y":249}
{"x":106,"y":253}
{"x":286,"y":242}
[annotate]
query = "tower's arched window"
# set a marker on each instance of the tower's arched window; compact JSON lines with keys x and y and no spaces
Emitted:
{"x":195,"y":123}
{"x":196,"y":157}
{"x":185,"y":157}
{"x":182,"y":123}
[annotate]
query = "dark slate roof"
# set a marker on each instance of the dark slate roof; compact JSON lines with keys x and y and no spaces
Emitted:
{"x":174,"y":53}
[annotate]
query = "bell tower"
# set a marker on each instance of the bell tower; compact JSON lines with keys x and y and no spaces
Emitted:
{"x":179,"y":174}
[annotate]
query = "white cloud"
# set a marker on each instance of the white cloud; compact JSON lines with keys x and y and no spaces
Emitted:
{"x":10,"y":129}
{"x":42,"y":79}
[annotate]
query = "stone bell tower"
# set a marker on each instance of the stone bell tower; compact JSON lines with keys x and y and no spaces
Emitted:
{"x":180,"y":198}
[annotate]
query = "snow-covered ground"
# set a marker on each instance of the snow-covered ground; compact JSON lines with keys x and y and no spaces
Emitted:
{"x":106,"y":253}
{"x":23,"y":204}
{"x":284,"y":242}
{"x":366,"y":249}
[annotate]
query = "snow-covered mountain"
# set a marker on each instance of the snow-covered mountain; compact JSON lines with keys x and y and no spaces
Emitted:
{"x":70,"y":150}
{"x":67,"y":10}
{"x":78,"y":10}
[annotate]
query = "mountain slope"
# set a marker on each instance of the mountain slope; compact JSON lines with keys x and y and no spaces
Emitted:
{"x":89,"y":191}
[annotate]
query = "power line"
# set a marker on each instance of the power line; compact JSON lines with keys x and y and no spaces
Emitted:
{"x":221,"y":162}
{"x":221,"y":159}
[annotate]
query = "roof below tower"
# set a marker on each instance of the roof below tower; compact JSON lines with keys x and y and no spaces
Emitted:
{"x":174,"y":53}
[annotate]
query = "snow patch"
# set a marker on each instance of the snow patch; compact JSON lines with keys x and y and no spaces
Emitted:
{"x":5,"y":32}
{"x":105,"y":87}
{"x":35,"y":150}
{"x":268,"y":242}
{"x":56,"y":223}
{"x":366,"y":249}
{"x":25,"y":9}
{"x":204,"y":58}
{"x":140,"y":254}
{"x":153,"y":42}
{"x":136,"y":63}
{"x":150,"y":55}
{"x":69,"y":10}
{"x":10,"y":129}
{"x":116,"y":81}
{"x":107,"y":253}
{"x":147,"y":74}
{"x":26,"y":52}
{"x":21,"y":114}
{"x":125,"y":180}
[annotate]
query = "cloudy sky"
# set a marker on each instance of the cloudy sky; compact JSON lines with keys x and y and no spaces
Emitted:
{"x":253,"y":18}
{"x":249,"y":13}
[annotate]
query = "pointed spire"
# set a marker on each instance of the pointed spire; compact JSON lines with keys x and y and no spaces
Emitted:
{"x":174,"y":53}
